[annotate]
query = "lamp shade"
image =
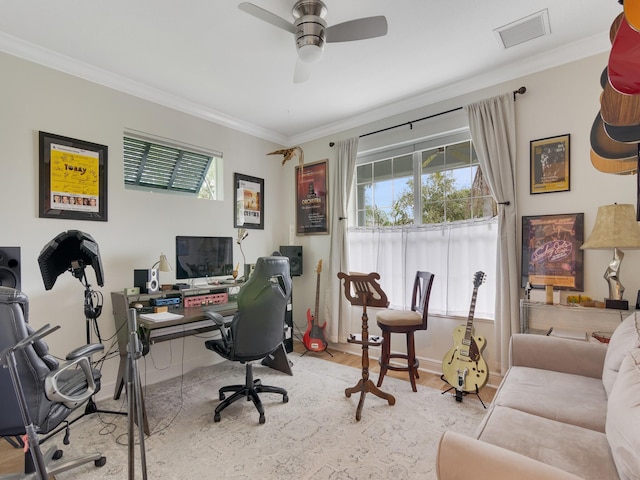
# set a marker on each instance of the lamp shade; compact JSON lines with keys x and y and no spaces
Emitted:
{"x":615,"y":227}
{"x":163,"y":264}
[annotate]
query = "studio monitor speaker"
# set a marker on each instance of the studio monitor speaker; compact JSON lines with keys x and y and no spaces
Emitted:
{"x":146,"y":280}
{"x":10,"y":267}
{"x":294,"y":252}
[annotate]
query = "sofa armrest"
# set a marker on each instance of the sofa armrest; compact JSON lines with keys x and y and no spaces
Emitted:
{"x":460,"y":458}
{"x":557,"y":354}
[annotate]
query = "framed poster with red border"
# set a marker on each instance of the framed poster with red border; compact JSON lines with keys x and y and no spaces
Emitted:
{"x":312,"y":201}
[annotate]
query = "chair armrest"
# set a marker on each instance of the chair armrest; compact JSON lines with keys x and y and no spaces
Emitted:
{"x":558,"y":354}
{"x":59,"y":381}
{"x":216,"y":317}
{"x":460,"y":457}
{"x":85,"y":351}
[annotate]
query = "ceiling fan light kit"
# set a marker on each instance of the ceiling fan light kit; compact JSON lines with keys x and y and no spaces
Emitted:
{"x":311,"y":31}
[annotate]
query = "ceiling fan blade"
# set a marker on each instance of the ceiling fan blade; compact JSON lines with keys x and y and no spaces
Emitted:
{"x":359,"y":29}
{"x":267,"y":16}
{"x":302,"y":72}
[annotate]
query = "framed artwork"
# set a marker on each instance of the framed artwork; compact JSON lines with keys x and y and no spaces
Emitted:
{"x":312,"y":209}
{"x":549,"y":167}
{"x":248,"y":198}
{"x":73,"y":178}
{"x":551,"y":253}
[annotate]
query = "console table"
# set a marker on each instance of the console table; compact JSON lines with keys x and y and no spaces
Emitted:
{"x":538,"y":317}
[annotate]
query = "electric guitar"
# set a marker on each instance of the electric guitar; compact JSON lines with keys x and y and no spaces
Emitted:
{"x":463,"y":366}
{"x":313,"y":338}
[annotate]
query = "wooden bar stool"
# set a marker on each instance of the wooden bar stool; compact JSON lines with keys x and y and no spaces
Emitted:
{"x":407,"y":322}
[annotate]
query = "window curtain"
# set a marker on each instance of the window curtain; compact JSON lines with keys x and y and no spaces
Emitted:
{"x":453,"y":252}
{"x":492,"y":126}
{"x":336,"y":307}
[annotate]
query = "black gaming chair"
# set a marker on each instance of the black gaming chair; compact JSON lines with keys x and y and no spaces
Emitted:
{"x":257,"y":329}
{"x":38,"y":394}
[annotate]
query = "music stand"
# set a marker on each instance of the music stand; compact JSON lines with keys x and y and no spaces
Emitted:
{"x":363,"y":290}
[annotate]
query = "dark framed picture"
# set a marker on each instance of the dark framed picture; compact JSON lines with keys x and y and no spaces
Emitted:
{"x":73,"y":178}
{"x":248,"y":198}
{"x":312,"y":208}
{"x":550,"y":164}
{"x":551,"y":253}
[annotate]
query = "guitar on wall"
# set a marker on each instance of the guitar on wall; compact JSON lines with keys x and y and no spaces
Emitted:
{"x":313,"y":338}
{"x":463,"y":366}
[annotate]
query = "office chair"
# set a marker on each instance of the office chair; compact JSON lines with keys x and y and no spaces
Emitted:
{"x":256,"y":331}
{"x":407,"y":322}
{"x":45,"y":392}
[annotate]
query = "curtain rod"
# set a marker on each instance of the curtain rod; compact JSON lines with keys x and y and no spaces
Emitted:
{"x":519,"y":91}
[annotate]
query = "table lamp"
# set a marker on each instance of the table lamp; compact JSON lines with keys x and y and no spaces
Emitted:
{"x":163,"y":266}
{"x":616,"y":227}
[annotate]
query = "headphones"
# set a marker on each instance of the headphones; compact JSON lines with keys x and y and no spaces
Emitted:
{"x":92,"y":304}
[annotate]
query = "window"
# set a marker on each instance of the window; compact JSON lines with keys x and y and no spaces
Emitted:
{"x":426,"y":206}
{"x":449,"y":187}
{"x":150,"y":165}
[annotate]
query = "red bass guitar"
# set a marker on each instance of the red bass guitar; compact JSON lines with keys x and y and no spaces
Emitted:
{"x":313,"y":338}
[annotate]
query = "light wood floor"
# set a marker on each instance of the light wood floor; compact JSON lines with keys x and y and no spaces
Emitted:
{"x":11,"y":459}
{"x":427,"y":379}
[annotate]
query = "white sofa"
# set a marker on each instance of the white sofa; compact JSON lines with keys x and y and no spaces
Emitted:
{"x":564,"y":410}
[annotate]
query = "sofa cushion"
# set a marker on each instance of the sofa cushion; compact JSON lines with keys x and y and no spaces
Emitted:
{"x":580,"y":451}
{"x":564,"y":397}
{"x":623,"y":418}
{"x":625,"y":338}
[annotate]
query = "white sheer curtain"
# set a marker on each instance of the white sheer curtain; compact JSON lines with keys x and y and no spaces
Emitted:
{"x":336,"y":307}
{"x":492,"y":126}
{"x":452,"y":252}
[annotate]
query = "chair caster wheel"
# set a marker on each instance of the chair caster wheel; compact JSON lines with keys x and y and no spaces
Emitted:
{"x":57,"y":455}
{"x":216,"y":417}
{"x":262,"y":419}
{"x":100,"y":462}
{"x":285,"y":398}
{"x":221,"y":396}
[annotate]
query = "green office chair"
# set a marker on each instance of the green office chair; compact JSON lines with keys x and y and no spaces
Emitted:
{"x":256,"y":331}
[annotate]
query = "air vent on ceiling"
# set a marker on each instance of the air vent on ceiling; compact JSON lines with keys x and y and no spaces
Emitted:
{"x":525,"y":29}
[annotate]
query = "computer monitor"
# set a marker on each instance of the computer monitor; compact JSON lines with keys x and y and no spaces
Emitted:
{"x":201,"y":257}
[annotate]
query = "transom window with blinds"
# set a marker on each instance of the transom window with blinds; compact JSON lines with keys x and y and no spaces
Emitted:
{"x":150,"y":164}
{"x":426,"y":206}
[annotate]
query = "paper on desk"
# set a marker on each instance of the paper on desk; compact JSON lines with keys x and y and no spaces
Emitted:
{"x":161,"y":316}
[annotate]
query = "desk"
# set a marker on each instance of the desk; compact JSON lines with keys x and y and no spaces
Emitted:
{"x":193,"y":321}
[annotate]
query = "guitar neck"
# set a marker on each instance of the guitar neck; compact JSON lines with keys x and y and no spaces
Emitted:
{"x":472,"y":308}
{"x":315,"y":312}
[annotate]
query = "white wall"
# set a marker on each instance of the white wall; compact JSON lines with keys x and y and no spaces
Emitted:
{"x":141,"y":225}
{"x":558,"y":101}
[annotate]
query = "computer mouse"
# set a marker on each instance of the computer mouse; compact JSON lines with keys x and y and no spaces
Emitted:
{"x":137,"y":306}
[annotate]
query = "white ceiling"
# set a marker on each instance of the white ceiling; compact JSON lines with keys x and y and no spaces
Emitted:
{"x":210,"y":59}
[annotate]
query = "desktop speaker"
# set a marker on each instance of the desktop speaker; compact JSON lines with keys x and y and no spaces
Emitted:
{"x":146,"y":280}
{"x":10,"y":267}
{"x":294,"y":252}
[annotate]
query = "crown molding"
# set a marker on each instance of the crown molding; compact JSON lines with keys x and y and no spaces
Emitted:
{"x":48,"y":58}
{"x":534,"y":64}
{"x":566,"y":54}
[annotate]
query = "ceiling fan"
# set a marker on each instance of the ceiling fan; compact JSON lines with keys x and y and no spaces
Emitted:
{"x":311,"y":31}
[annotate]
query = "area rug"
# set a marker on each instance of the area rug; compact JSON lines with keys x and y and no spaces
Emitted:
{"x":313,"y":436}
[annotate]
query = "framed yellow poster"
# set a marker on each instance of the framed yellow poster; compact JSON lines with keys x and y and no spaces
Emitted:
{"x":73,"y":178}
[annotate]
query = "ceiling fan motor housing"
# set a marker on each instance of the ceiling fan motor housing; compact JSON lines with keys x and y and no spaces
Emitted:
{"x":310,"y":35}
